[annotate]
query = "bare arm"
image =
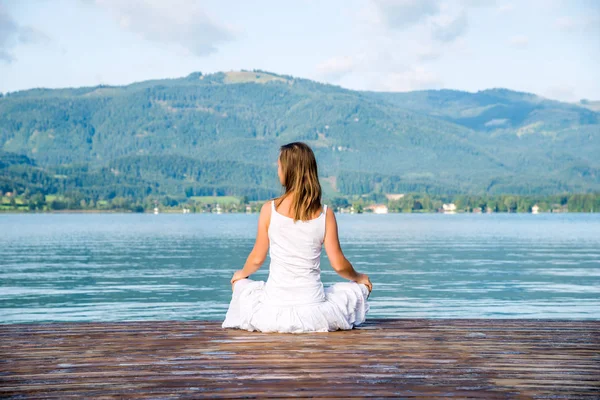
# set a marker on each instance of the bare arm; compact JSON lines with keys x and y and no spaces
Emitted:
{"x":338,"y":261}
{"x":258,"y":254}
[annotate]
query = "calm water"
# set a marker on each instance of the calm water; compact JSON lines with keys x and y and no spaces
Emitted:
{"x":108,"y":267}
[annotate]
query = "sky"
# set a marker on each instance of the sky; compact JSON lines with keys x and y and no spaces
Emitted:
{"x":547,"y":47}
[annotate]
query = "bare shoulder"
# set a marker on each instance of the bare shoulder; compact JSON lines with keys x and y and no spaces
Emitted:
{"x":330,"y":222}
{"x":266,"y":208}
{"x":329,"y":213}
{"x":264,"y":217}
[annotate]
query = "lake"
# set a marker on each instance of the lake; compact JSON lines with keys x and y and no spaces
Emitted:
{"x":111,"y":267}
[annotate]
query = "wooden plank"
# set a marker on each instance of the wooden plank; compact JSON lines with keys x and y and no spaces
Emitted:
{"x":406,"y":358}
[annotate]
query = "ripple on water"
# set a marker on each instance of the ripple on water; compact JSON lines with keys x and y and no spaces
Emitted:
{"x":77,"y":267}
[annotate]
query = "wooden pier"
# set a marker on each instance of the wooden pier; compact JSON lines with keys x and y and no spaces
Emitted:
{"x":402,"y":358}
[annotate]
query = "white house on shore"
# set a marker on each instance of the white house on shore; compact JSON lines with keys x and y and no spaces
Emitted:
{"x":535,"y":209}
{"x":378,"y":208}
{"x":449,"y":208}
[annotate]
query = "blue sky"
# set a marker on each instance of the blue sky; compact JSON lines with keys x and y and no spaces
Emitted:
{"x":548,"y":47}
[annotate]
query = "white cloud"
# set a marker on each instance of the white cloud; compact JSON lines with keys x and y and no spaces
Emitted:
{"x":519,"y":41}
{"x":565,"y":23}
{"x":479,"y":3}
{"x":428,"y":53}
{"x":446,"y":29}
{"x":399,"y":14}
{"x":563,"y":93}
{"x":496,"y":122}
{"x":181,"y":22}
{"x":335,"y":68}
{"x":444,"y":21}
{"x":589,"y":24}
{"x":408,"y":79}
{"x":12,"y":34}
{"x":412,"y":35}
{"x":382,"y":69}
{"x":505,"y":8}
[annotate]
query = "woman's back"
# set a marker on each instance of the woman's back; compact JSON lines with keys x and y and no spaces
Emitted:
{"x":295,"y":251}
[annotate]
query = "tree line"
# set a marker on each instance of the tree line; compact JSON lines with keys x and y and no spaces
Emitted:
{"x":409,"y":203}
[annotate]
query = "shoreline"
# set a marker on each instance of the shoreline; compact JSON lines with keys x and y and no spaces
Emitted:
{"x":242,"y":213}
{"x":246,"y":213}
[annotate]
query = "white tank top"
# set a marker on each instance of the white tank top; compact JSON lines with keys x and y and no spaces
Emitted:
{"x":295,"y":251}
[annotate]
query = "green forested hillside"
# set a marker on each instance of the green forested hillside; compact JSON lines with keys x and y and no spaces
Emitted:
{"x":497,"y":110}
{"x":219,"y":134}
{"x":590,"y":105}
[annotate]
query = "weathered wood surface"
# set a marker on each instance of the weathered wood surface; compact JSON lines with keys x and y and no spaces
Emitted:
{"x":383,"y":358}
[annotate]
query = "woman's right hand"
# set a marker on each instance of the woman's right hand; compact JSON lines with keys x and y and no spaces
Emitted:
{"x":364,"y":279}
{"x":238,"y":275}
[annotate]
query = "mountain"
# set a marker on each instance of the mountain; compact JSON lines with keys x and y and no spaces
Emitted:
{"x":497,"y":110}
{"x":220,"y":134}
{"x":591,"y":105}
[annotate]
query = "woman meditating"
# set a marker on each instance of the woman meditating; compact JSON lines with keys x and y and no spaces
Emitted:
{"x":295,"y":227}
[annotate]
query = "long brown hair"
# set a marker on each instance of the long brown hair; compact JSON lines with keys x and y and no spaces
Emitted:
{"x":300,"y":179}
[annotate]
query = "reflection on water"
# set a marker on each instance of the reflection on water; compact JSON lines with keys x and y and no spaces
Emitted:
{"x":107,"y":267}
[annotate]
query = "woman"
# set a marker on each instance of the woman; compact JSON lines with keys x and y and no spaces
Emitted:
{"x":295,"y":227}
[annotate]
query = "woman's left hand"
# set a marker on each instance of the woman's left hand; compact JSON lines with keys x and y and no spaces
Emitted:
{"x":239,"y":274}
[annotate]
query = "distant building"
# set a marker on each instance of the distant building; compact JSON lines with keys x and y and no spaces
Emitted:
{"x":535,"y":209}
{"x":378,"y":208}
{"x":449,"y":208}
{"x":248,"y":209}
{"x":155,"y":210}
